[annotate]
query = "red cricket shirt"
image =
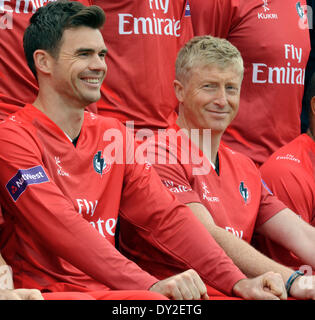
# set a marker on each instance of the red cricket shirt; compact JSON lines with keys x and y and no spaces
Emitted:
{"x":290,"y":174}
{"x":60,"y":204}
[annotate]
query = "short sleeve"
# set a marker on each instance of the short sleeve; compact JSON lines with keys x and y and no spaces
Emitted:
{"x":292,"y":186}
{"x":270,"y":205}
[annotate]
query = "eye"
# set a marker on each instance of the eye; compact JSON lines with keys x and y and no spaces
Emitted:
{"x":83,"y":54}
{"x":209,"y":85}
{"x":232,"y":89}
{"x":102,"y":55}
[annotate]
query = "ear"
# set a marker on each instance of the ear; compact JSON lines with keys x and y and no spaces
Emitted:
{"x":179,"y":90}
{"x":42,"y":61}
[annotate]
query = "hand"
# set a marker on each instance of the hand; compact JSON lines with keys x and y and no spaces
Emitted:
{"x":20,"y":294}
{"x":183,"y":286}
{"x":268,"y":286}
{"x":303,"y":288}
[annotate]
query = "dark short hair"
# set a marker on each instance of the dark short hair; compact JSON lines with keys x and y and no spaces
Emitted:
{"x":48,"y":24}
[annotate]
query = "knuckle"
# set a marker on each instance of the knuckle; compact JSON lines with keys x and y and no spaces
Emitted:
{"x":186,"y":276}
{"x":269,"y":274}
{"x":172,"y":284}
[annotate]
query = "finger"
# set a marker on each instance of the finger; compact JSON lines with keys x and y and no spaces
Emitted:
{"x":35,"y":295}
{"x":274,"y":284}
{"x":264,"y":295}
{"x":201,"y":287}
{"x":205,"y":297}
{"x":175,"y":294}
{"x":29,"y":294}
{"x":172,"y":290}
{"x":184,"y":285}
{"x":277,"y":291}
{"x":194,"y":284}
{"x":9,"y":295}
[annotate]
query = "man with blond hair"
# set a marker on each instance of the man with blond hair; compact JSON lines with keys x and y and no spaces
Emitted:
{"x":223,"y":188}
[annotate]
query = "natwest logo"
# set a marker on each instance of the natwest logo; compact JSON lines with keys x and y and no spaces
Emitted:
{"x":23,"y":178}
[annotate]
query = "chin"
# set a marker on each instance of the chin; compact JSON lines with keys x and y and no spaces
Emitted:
{"x":92,"y":99}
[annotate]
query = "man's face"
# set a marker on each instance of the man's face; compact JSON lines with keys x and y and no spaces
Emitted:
{"x":80,"y":67}
{"x":210,"y":97}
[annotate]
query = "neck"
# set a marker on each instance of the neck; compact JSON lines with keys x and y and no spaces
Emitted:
{"x":209,"y":141}
{"x":68,"y":118}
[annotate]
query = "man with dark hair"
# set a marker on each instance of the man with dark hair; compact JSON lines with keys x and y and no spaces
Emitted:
{"x":289,"y":173}
{"x":40,"y":35}
{"x":61,"y":196}
{"x":18,"y":86}
{"x":159,"y":28}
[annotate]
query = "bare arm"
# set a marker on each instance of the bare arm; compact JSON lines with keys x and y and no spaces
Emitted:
{"x":293,"y":233}
{"x":286,"y":229}
{"x":250,"y":261}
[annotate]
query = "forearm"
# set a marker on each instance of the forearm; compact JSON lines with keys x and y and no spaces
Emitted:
{"x":249,"y":260}
{"x":291,"y":232}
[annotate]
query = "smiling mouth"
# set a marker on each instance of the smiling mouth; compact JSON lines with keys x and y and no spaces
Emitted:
{"x":93,"y":82}
{"x":217,"y":112}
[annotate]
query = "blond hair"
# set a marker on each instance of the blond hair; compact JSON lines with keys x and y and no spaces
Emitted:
{"x":202,"y":51}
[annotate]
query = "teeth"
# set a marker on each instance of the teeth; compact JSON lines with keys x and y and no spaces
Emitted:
{"x":92,"y":80}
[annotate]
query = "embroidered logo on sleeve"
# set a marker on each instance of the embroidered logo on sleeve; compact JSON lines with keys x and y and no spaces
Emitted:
{"x":23,"y":178}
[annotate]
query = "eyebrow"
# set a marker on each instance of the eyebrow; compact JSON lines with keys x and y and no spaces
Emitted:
{"x":103,"y":51}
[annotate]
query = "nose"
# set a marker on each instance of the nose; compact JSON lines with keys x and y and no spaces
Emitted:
{"x":98,"y":63}
{"x":220,"y":98}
